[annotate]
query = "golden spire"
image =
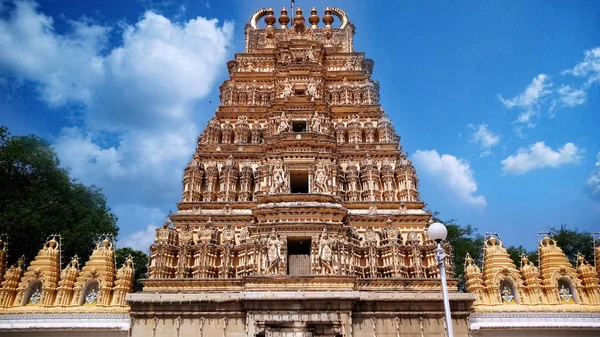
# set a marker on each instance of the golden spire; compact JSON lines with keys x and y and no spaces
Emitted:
{"x":474,"y":280}
{"x":43,"y":270}
{"x":11,"y":281}
{"x":68,"y":277}
{"x":123,"y":283}
{"x":100,"y":269}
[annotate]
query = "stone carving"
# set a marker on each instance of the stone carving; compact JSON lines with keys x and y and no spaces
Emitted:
{"x":283,"y":123}
{"x":287,"y":88}
{"x":316,"y":123}
{"x":228,"y":234}
{"x":309,"y":55}
{"x":311,"y":89}
{"x":244,"y":235}
{"x":371,"y":236}
{"x":565,"y":293}
{"x":206,"y":234}
{"x":507,"y":295}
{"x":186,"y":235}
{"x":280,"y":179}
{"x":274,"y":258}
{"x":321,"y":178}
{"x":325,"y":253}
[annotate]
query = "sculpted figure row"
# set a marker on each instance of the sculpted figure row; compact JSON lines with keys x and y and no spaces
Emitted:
{"x":380,"y":254}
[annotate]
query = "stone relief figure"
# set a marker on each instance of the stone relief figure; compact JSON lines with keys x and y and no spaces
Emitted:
{"x":244,"y":235}
{"x":320,"y":179}
{"x":274,"y":258}
{"x":228,"y":235}
{"x":283,"y":123}
{"x":371,"y":236}
{"x":207,"y":234}
{"x":507,"y":295}
{"x":288,"y":88}
{"x":325,"y":253}
{"x":311,"y":89}
{"x":565,"y":293}
{"x":285,"y":58}
{"x":309,"y":55}
{"x":280,"y":181}
{"x":316,"y":123}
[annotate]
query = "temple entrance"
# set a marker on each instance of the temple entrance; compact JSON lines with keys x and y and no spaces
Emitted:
{"x":299,"y":181}
{"x":298,"y":256}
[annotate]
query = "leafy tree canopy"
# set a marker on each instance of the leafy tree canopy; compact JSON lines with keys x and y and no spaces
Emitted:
{"x":140,"y":264}
{"x":38,"y":199}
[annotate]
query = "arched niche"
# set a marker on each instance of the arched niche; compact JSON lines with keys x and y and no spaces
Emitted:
{"x":90,"y":293}
{"x":508,"y":291}
{"x":33,"y":293}
{"x":567,"y":292}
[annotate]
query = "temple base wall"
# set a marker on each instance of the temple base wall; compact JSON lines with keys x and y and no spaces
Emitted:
{"x":301,"y":314}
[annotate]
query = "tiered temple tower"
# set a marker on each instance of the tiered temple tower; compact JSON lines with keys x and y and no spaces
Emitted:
{"x":300,"y":213}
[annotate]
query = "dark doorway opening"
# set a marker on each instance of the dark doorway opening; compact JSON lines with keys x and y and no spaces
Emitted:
{"x":299,"y":126}
{"x":298,"y":256}
{"x":299,"y":181}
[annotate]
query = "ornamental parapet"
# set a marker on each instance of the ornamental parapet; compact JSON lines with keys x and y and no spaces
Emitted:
{"x":45,"y":286}
{"x":554,"y":286}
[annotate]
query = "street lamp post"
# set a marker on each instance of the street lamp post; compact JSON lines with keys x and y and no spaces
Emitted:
{"x":438,"y":232}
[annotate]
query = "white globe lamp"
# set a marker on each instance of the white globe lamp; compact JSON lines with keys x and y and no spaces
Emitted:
{"x":437,"y":232}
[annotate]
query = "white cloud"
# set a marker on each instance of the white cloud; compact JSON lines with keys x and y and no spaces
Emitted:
{"x":539,"y":156}
{"x":132,"y":214}
{"x":485,"y":138}
{"x":453,"y":174}
{"x":530,"y":99}
{"x":593,"y":182}
{"x":542,"y":94}
{"x":139,"y":240}
{"x":571,"y":97}
{"x":135,"y":102}
{"x":589,"y":68}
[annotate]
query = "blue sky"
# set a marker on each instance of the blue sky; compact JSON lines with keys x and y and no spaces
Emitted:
{"x":496,"y":101}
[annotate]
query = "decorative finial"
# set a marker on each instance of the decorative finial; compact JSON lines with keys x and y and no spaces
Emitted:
{"x":328,"y":18}
{"x":313,"y":19}
{"x":284,"y":19}
{"x":270,"y":18}
{"x":299,"y":20}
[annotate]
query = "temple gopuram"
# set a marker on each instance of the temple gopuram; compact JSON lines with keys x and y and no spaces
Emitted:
{"x":300,"y":216}
{"x":300,"y":213}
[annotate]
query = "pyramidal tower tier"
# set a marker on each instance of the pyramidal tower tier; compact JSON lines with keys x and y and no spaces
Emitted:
{"x":298,"y":182}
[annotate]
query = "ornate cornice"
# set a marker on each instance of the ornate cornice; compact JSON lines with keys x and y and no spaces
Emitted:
{"x":49,"y":321}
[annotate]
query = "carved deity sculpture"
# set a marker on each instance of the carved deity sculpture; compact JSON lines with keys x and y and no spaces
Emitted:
{"x":283,"y":123}
{"x":273,"y":253}
{"x":244,"y":235}
{"x":206,"y":234}
{"x":309,"y":55}
{"x":316,"y":123}
{"x":325,"y":253}
{"x":288,"y":88}
{"x":311,"y":89}
{"x":320,"y":179}
{"x":279,"y":183}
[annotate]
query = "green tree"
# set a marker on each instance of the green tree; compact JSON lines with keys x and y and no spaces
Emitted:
{"x":573,"y":241}
{"x":463,"y":240}
{"x":140,"y":264}
{"x":515,"y":254}
{"x":39,"y":199}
